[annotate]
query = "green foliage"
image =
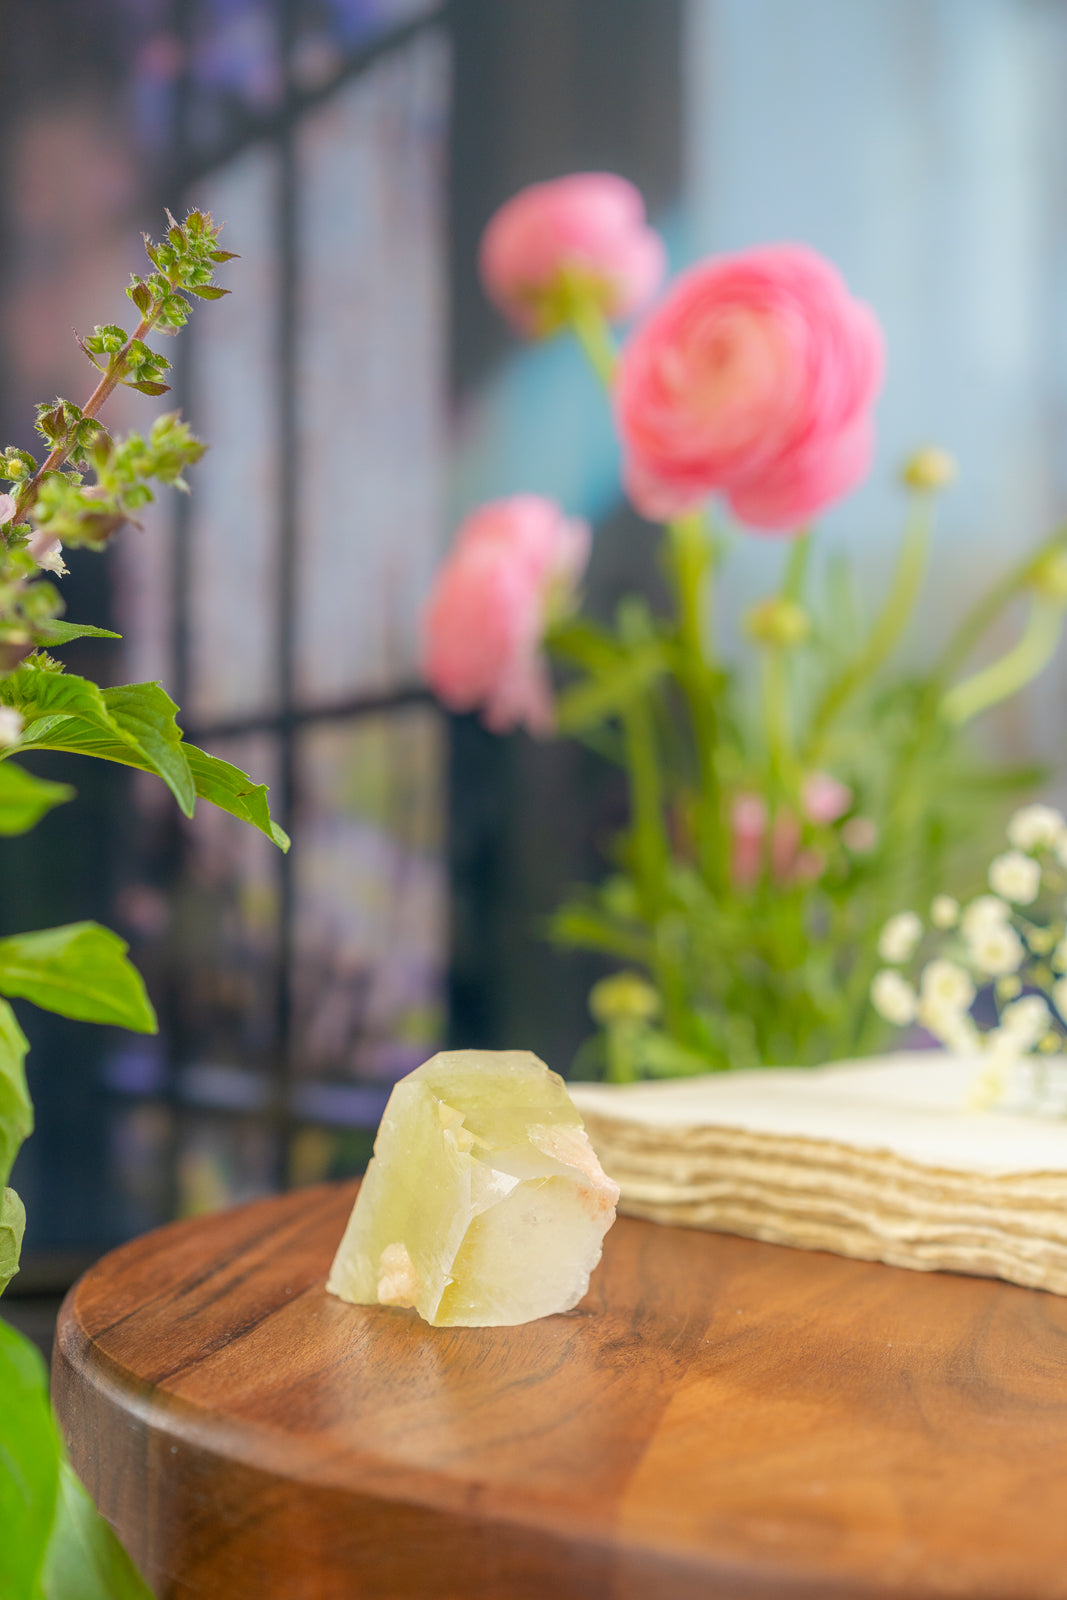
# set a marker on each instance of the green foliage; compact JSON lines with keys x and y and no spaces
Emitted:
{"x":16,"y":1111}
{"x":84,"y":1560}
{"x":29,"y":1467}
{"x":772,"y":964}
{"x":134,"y":723}
{"x":54,"y":1546}
{"x":79,"y":970}
{"x":12,"y":1227}
{"x":24,"y":799}
{"x":234,"y":791}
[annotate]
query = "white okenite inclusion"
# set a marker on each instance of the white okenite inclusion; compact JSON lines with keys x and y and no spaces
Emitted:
{"x":485,"y":1204}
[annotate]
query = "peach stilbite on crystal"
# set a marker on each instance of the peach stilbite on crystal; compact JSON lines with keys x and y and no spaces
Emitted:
{"x":484,"y":1204}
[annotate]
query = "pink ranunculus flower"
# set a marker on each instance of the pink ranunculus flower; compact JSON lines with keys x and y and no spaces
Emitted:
{"x":515,"y":564}
{"x":587,"y":230}
{"x":754,"y":378}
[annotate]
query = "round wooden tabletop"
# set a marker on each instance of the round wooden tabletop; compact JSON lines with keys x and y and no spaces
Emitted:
{"x":718,"y":1418}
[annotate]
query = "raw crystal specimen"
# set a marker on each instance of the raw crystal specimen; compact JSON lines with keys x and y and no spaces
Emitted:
{"x":484,"y":1204}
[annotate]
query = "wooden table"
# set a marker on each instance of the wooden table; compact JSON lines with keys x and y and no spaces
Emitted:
{"x":718,"y":1418}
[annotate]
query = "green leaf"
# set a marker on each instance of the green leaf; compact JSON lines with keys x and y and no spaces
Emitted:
{"x":134,"y":723}
{"x":16,"y":1108}
{"x":84,"y":1560}
{"x":149,"y":746}
{"x":79,"y":970}
{"x":147,"y":717}
{"x":29,"y":1466}
{"x":12,"y":1227}
{"x":588,"y":703}
{"x":53,"y":633}
{"x":205,"y":291}
{"x":24,"y":799}
{"x":234,"y":791}
{"x":146,"y":386}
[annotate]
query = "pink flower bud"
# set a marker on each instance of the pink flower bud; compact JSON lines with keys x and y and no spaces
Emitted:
{"x":515,"y":564}
{"x":749,"y":821}
{"x":825,"y":799}
{"x":755,"y":378}
{"x":586,"y":231}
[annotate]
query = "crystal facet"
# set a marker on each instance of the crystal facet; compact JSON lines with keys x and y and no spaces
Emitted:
{"x":484,"y":1204}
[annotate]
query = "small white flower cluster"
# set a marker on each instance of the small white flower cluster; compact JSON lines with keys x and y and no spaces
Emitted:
{"x":1021,"y":953}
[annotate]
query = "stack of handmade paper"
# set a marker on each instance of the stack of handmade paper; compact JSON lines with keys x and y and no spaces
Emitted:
{"x":879,"y":1159}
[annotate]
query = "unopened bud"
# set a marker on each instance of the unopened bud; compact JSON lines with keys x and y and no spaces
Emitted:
{"x":624,"y":997}
{"x":930,"y":468}
{"x":778,"y":622}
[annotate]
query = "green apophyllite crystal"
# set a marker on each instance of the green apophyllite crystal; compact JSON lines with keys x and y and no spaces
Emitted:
{"x":484,"y":1204}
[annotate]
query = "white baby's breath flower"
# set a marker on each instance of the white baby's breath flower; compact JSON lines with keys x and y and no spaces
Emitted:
{"x":894,"y":998}
{"x":946,"y":985}
{"x":11,"y":725}
{"x":1035,"y":827}
{"x":950,"y":1025}
{"x":1024,"y":1022}
{"x":987,"y":911}
{"x":996,"y":949}
{"x":944,"y":911}
{"x":1015,"y":877}
{"x":899,"y":937}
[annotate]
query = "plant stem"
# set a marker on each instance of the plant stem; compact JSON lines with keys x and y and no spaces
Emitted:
{"x":109,"y":382}
{"x":594,"y":335}
{"x":690,"y":565}
{"x":797,"y":565}
{"x":780,"y":754}
{"x":650,"y":846}
{"x":890,"y":624}
{"x":1008,"y":675}
{"x":991,"y":604}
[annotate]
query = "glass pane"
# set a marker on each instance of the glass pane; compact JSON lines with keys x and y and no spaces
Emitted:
{"x":143,"y":567}
{"x":370,"y":909}
{"x":328,"y":31}
{"x":371,"y":371}
{"x":224,"y":939}
{"x":139,"y":1166}
{"x":234,"y":70}
{"x":223,"y":1161}
{"x":233,"y":523}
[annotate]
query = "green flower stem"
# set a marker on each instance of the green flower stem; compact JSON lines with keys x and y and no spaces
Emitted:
{"x":982,"y":615}
{"x":888,"y":627}
{"x":590,"y":327}
{"x":690,"y":563}
{"x":797,"y":566}
{"x":650,"y":847}
{"x":781,"y":757}
{"x":1015,"y":669}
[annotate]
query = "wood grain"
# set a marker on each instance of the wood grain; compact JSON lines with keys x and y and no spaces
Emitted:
{"x":718,"y":1418}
